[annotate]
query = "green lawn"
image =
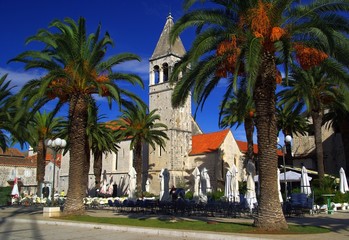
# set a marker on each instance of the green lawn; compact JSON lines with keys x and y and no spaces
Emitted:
{"x":194,"y":225}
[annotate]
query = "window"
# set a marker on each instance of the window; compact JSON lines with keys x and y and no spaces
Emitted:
{"x":157,"y":74}
{"x":165,"y":69}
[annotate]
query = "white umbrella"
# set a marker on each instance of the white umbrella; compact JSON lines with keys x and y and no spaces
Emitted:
{"x":15,"y":191}
{"x":291,"y":176}
{"x":234,"y":184}
{"x":196,"y":174}
{"x":305,"y":184}
{"x":251,"y":188}
{"x":132,"y":184}
{"x":104,"y":187}
{"x":164,"y":181}
{"x":279,"y":187}
{"x":343,"y":183}
{"x":227,"y":189}
{"x":205,"y":181}
{"x":147,"y":185}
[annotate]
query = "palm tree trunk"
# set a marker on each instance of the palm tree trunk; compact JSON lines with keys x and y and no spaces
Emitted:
{"x":138,"y":167}
{"x":249,"y":129}
{"x":97,"y":168}
{"x":40,"y":165}
{"x":270,"y":215}
{"x":317,"y":121}
{"x":79,"y":156}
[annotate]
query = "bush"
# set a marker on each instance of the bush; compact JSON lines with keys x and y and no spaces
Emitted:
{"x":328,"y":187}
{"x":216,"y":195}
{"x":189,"y":195}
{"x":5,"y":194}
{"x":149,"y":195}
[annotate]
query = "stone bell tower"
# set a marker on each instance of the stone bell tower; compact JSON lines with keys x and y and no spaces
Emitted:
{"x":178,"y":120}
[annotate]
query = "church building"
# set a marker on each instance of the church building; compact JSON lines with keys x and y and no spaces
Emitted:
{"x":187,"y":148}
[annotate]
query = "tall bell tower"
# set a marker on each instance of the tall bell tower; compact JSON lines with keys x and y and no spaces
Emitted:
{"x":177,"y":120}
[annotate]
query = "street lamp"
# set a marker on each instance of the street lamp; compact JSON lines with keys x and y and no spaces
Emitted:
{"x":55,"y":145}
{"x":288,"y":139}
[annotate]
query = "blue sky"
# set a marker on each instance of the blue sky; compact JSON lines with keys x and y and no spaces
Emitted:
{"x":135,"y":27}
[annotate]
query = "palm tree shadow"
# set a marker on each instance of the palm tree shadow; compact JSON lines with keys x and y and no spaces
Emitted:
{"x":9,"y":228}
{"x":334,"y":223}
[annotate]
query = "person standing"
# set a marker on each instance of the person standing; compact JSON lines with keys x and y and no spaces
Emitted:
{"x":45,"y":191}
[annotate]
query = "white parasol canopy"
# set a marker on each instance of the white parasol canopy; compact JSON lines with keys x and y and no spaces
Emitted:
{"x":164,"y":187}
{"x":132,"y":184}
{"x":305,"y":182}
{"x":343,"y":183}
{"x":291,"y":176}
{"x":104,"y":187}
{"x":15,"y":191}
{"x":205,"y":182}
{"x":250,"y":196}
{"x":227,"y":189}
{"x":234,"y":184}
{"x":196,"y":174}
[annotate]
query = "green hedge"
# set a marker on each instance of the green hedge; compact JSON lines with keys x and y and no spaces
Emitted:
{"x":5,"y":193}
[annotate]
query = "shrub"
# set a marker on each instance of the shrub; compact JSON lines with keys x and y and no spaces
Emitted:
{"x":5,"y":193}
{"x":148,"y":194}
{"x":216,"y":195}
{"x":189,"y":195}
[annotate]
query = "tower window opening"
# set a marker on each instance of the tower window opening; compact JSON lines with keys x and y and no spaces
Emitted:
{"x":165,"y":69}
{"x":157,"y":74}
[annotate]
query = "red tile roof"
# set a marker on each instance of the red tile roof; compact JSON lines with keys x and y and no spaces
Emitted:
{"x":14,"y":157}
{"x":11,"y":152}
{"x":243,"y":148}
{"x":206,"y":143}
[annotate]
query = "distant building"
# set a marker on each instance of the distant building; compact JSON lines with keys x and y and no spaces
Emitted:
{"x":14,"y":163}
{"x":303,"y":151}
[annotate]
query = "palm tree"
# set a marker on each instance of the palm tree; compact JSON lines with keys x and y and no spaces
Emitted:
{"x":41,"y":127}
{"x":237,"y":110}
{"x":5,"y":116}
{"x":291,"y":122}
{"x":34,"y":130}
{"x":102,"y":139}
{"x":142,"y":128}
{"x":315,"y":89}
{"x":75,"y":69}
{"x":338,"y":118}
{"x":248,"y":39}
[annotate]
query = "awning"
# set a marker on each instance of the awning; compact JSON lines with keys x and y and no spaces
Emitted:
{"x":291,"y":176}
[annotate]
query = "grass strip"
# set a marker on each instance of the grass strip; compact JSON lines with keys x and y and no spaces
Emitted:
{"x":196,"y":225}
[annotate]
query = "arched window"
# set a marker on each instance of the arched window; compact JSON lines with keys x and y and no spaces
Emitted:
{"x":165,"y":69}
{"x":156,"y":74}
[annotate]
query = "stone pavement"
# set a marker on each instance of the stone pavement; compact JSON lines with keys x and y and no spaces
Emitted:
{"x":25,"y":222}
